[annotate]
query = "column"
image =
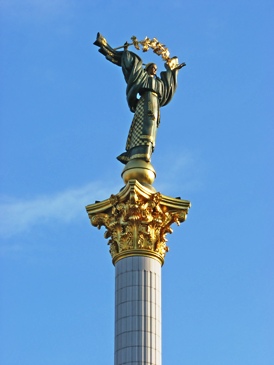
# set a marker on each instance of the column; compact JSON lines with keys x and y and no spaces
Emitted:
{"x":137,"y":220}
{"x":138,"y":311}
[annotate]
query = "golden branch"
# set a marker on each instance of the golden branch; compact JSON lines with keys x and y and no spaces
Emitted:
{"x":157,"y":47}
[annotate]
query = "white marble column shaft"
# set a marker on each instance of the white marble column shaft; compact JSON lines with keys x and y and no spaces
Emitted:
{"x":138,"y":311}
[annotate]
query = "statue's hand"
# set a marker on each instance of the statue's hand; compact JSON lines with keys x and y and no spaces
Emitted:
{"x":173,"y":64}
{"x":180,"y":66}
{"x":100,"y":40}
{"x":126,"y":45}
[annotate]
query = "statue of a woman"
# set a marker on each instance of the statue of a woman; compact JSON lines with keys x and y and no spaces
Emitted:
{"x":146,"y":93}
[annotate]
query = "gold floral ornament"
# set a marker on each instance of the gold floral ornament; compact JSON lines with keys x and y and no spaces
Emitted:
{"x":135,"y":42}
{"x":137,"y":221}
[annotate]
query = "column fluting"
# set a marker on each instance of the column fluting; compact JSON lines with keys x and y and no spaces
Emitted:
{"x":138,"y":311}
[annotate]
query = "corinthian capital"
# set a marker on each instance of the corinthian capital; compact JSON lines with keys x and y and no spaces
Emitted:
{"x":137,"y":221}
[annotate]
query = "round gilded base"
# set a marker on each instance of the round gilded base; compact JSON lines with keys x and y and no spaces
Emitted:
{"x":139,"y":170}
{"x":138,"y":252}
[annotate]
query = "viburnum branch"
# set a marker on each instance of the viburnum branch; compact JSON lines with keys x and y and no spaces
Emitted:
{"x":157,"y":47}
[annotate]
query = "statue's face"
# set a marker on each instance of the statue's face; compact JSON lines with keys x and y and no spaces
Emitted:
{"x":152,"y":70}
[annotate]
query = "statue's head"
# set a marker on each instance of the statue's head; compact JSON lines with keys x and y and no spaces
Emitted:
{"x":151,"y":68}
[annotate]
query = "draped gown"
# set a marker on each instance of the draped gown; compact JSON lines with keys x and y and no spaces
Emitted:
{"x":145,"y":95}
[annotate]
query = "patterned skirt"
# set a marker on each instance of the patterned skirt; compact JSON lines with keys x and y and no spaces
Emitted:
{"x":142,"y":133}
{"x":144,"y":124}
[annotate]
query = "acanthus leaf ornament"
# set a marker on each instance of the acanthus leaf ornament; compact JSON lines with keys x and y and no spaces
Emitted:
{"x":137,"y":221}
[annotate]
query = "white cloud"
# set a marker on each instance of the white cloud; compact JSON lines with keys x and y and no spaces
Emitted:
{"x":17,"y":216}
{"x":180,"y":172}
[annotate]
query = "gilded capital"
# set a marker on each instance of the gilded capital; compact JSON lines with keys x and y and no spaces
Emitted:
{"x":137,"y":221}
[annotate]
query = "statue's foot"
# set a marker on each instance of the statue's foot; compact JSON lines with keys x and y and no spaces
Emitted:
{"x":136,"y":153}
{"x":124,"y":158}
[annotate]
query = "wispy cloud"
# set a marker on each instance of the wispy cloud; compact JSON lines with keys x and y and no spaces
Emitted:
{"x":180,"y":172}
{"x":17,"y":216}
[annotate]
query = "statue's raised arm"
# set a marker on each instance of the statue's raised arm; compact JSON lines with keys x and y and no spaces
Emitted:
{"x":146,"y":93}
{"x":110,"y":53}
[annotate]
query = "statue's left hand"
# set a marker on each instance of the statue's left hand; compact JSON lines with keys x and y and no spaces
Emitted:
{"x":180,"y":66}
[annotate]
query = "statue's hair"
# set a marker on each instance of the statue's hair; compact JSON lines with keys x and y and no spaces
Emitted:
{"x":148,"y":65}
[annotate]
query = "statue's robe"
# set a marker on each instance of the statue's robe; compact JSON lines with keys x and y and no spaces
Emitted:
{"x":145,"y":95}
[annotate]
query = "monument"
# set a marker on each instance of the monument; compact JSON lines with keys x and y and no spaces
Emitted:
{"x":138,"y":217}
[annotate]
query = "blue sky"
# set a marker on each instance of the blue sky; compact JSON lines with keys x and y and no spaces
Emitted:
{"x":64,"y":119}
